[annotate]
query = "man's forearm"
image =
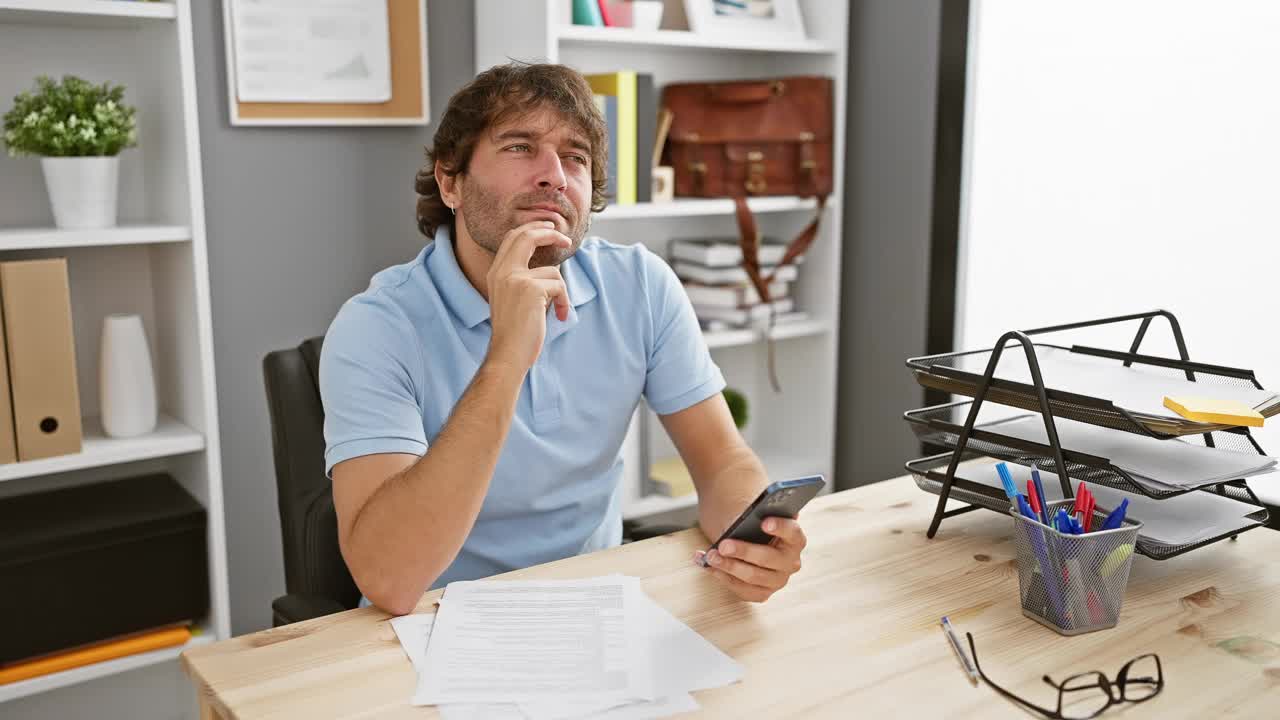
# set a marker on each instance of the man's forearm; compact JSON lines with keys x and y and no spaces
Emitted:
{"x":413,"y":526}
{"x":730,"y":491}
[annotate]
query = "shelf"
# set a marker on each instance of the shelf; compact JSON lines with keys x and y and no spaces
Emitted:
{"x":169,"y":438}
{"x":84,"y":13}
{"x":779,"y":466}
{"x":37,"y":238}
{"x":686,"y":207}
{"x":23,"y":688}
{"x":585,"y":35}
{"x":745,"y":336}
{"x":654,"y":504}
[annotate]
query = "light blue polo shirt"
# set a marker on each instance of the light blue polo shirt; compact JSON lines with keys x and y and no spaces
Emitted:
{"x":399,"y":355}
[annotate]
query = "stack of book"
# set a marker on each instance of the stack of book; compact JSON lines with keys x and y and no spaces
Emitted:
{"x":721,"y":291}
{"x":628,"y":100}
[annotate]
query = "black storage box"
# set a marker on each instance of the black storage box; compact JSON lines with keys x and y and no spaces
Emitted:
{"x":84,"y":564}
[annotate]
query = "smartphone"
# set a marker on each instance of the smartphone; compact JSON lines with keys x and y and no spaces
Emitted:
{"x":784,"y":498}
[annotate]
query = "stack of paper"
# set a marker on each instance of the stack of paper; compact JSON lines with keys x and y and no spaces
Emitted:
{"x":1183,"y":520}
{"x":1139,"y":389}
{"x":1157,"y":464}
{"x":558,"y":650}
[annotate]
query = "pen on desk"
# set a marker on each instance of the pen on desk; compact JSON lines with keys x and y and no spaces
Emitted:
{"x":960,"y":653}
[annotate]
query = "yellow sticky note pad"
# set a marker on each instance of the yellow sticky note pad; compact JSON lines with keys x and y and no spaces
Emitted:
{"x":1210,"y":410}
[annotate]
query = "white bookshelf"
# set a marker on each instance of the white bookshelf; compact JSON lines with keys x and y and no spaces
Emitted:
{"x":75,"y":676}
{"x":578,"y":35}
{"x":793,"y":432}
{"x":154,"y":263}
{"x":689,"y":207}
{"x":41,"y":238}
{"x":84,"y":13}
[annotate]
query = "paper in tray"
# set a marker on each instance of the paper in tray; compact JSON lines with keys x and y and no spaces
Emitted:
{"x":1184,"y":520}
{"x":1138,"y":390}
{"x":1175,"y":463}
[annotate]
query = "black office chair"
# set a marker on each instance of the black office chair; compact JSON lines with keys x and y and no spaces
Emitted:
{"x":315,"y":575}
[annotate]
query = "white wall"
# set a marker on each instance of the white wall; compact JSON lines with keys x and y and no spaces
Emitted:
{"x":1125,"y":156}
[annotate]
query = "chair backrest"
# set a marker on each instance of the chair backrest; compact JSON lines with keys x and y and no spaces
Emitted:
{"x":313,"y":563}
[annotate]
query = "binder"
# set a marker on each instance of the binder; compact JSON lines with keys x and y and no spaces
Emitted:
{"x":8,"y":443}
{"x":622,"y":85}
{"x":608,"y":106}
{"x":646,"y":134}
{"x":36,"y":297}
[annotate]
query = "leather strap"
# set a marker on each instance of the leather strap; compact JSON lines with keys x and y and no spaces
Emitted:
{"x":749,"y":240}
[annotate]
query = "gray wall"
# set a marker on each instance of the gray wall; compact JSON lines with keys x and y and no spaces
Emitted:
{"x":298,"y":219}
{"x":893,"y":55}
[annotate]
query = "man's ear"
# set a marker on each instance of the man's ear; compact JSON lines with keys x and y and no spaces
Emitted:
{"x":448,"y":184}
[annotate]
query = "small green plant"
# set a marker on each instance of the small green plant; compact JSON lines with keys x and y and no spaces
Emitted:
{"x":73,"y":118}
{"x":737,"y":406}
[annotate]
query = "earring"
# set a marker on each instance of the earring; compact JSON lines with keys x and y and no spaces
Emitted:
{"x":453,"y":210}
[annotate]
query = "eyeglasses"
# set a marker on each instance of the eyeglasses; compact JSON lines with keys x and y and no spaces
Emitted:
{"x":1089,"y":694}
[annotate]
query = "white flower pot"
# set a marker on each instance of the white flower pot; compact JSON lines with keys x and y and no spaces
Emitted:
{"x":126,"y":384}
{"x":82,"y":190}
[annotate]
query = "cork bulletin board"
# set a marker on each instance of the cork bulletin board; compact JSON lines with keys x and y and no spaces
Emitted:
{"x":408,"y":100}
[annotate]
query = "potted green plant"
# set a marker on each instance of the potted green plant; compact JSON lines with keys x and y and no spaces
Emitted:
{"x":77,"y":129}
{"x":737,"y":406}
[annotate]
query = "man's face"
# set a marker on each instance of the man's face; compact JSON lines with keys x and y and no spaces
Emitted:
{"x":533,"y":167}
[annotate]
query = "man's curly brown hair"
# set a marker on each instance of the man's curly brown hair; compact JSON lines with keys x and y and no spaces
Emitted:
{"x":492,"y":98}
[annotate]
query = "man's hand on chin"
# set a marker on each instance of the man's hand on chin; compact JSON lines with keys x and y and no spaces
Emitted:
{"x":755,"y":572}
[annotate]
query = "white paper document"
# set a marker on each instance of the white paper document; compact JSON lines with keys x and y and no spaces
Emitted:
{"x":1175,"y":463}
{"x":1188,"y":518}
{"x":676,"y":659}
{"x":308,"y":51}
{"x":513,"y":641}
{"x":1139,"y":389}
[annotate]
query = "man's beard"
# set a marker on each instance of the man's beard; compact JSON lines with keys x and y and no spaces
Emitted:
{"x":489,"y":220}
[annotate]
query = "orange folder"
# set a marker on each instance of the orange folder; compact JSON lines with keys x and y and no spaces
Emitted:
{"x":109,"y":650}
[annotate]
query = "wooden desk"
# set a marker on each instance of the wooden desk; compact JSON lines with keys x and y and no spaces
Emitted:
{"x":855,"y":634}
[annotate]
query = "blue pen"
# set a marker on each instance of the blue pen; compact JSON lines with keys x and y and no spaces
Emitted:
{"x":1044,"y":501}
{"x":1006,"y":479}
{"x":1060,"y":520}
{"x":1116,"y":518}
{"x":1041,"y":551}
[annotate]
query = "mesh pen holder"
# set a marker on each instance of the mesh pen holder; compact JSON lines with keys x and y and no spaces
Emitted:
{"x":1088,"y":573}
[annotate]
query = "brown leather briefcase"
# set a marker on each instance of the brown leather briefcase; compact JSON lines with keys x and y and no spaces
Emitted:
{"x":753,"y":137}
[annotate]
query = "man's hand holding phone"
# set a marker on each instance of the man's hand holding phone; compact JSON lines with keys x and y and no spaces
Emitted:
{"x":753,"y":571}
{"x":757,"y":554}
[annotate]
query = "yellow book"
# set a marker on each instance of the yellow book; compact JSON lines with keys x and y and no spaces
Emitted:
{"x":622,"y":85}
{"x":1211,"y":410}
{"x":110,"y":650}
{"x":671,"y":477}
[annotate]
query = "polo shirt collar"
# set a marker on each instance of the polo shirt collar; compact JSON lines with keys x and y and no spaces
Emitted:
{"x":469,"y":305}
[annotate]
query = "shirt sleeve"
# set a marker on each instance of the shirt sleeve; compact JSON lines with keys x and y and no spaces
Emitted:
{"x":367,"y":384}
{"x":680,"y":371}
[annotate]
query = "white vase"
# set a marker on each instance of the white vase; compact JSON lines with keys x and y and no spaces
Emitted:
{"x":126,"y":384}
{"x":82,"y":190}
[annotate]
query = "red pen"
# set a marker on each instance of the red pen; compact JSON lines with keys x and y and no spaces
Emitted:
{"x":1033,"y":498}
{"x":1088,"y":513}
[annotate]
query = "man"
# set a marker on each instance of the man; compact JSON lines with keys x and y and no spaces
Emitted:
{"x":477,"y":397}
